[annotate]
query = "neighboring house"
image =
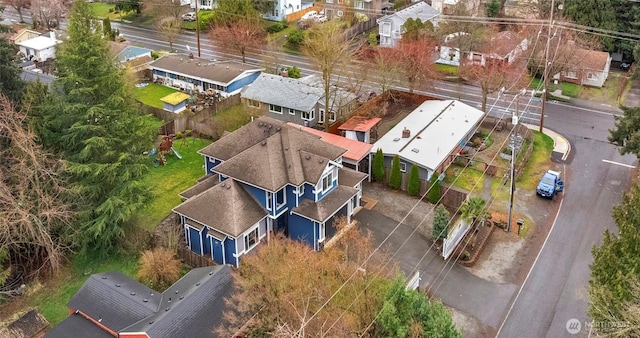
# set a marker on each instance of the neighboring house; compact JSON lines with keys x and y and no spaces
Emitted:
{"x":431,"y":136}
{"x":504,"y":47}
{"x":390,"y":26}
{"x":338,"y":8}
{"x":275,"y":178}
{"x":446,"y":7}
{"x":196,"y":74}
{"x":357,"y":155}
{"x":110,"y":304}
{"x":300,"y":101}
{"x":41,"y":48}
{"x":592,"y":68}
{"x":34,"y":75}
{"x":203,"y":4}
{"x":129,"y":56}
{"x":282,"y":8}
{"x":23,"y":34}
{"x":359,"y":128}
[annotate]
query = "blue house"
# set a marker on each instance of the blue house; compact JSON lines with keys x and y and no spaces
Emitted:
{"x":267,"y":177}
{"x":197,"y":74}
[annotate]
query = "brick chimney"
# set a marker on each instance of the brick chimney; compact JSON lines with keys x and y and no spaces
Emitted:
{"x":406,"y":133}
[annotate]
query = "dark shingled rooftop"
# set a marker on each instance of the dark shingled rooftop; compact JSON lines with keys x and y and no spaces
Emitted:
{"x":236,"y":209}
{"x":325,"y":208}
{"x":269,"y":154}
{"x":349,"y":177}
{"x":203,"y":185}
{"x":217,"y":71}
{"x":77,"y":326}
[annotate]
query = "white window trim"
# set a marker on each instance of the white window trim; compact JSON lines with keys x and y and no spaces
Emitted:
{"x":403,"y":167}
{"x":311,"y":115}
{"x":284,"y":198}
{"x":332,"y":116}
{"x":245,"y":239}
{"x":339,"y":14}
{"x":292,"y":111}
{"x":329,"y":1}
{"x":269,"y":201}
{"x":301,"y":190}
{"x":321,"y":116}
{"x":359,"y":4}
{"x":321,"y":232}
{"x":329,"y":183}
{"x":275,"y":111}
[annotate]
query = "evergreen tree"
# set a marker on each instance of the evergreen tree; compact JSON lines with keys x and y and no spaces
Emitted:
{"x":11,"y":85}
{"x":593,"y":13}
{"x":493,"y":8}
{"x":413,"y":188}
{"x":441,"y":220}
{"x":433,"y":195}
{"x":378,"y":166}
{"x":95,"y":126}
{"x":395,"y":176}
{"x":616,"y":263}
{"x":107,"y":32}
{"x":627,"y":132}
{"x":409,"y":313}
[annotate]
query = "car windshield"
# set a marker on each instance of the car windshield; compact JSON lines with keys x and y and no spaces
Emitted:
{"x":548,"y":180}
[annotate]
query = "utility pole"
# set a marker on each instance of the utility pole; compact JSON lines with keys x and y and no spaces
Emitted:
{"x":512,"y":188}
{"x":197,"y":28}
{"x":545,"y":80}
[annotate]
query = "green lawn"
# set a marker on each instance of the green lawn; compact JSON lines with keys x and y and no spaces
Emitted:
{"x":102,"y":10}
{"x":169,"y":180}
{"x":152,"y":93}
{"x":231,"y":118}
{"x":447,"y":69}
{"x":468,"y":179}
{"x":52,"y":297}
{"x":570,"y":89}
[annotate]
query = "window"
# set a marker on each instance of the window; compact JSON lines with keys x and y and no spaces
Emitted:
{"x":340,"y":2}
{"x":386,"y":28}
{"x":339,"y":12}
{"x":301,"y":190}
{"x":275,"y":109}
{"x":251,"y":239}
{"x":359,"y":5}
{"x":321,"y":232}
{"x":403,"y":167}
{"x":327,"y":182}
{"x":307,"y":115}
{"x":269,"y":201}
{"x":332,"y":116}
{"x":572,"y":75}
{"x":329,"y":1}
{"x":591,"y":76}
{"x":254,"y":103}
{"x":281,"y":198}
{"x":321,"y":116}
{"x":292,"y":111}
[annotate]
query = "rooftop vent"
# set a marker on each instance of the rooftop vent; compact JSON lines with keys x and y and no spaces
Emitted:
{"x":104,"y":277}
{"x":415,"y":150}
{"x":117,"y":285}
{"x":406,"y":133}
{"x":264,"y":143}
{"x":132,"y":293}
{"x":177,"y":291}
{"x":396,"y":139}
{"x":145,"y":300}
{"x":198,"y":284}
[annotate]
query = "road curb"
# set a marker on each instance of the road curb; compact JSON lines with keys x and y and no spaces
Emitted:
{"x":560,"y":143}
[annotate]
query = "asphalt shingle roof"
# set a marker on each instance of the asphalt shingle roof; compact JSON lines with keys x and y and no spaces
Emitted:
{"x":222,"y":72}
{"x":349,"y":177}
{"x":236,"y":210}
{"x":204,"y":184}
{"x":269,"y":154}
{"x":326,"y":207}
{"x":115,"y":299}
{"x":78,"y":326}
{"x":284,"y":91}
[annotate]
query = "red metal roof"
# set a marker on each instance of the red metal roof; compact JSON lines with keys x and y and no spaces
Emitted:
{"x":360,"y":123}
{"x":356,"y":150}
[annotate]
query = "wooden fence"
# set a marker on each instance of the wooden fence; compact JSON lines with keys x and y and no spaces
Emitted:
{"x":192,"y":259}
{"x":361,"y":27}
{"x":293,"y":17}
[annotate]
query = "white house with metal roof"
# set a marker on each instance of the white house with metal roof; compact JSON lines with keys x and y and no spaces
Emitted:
{"x":390,"y":26}
{"x":431,"y":136}
{"x":40,"y":48}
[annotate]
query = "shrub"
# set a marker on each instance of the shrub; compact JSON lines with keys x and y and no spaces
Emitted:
{"x":433,"y":195}
{"x":378,"y":166}
{"x":294,"y":72}
{"x":441,"y":220}
{"x":373,"y":40}
{"x":413,"y":187}
{"x":179,"y":135}
{"x":275,"y":28}
{"x":395,"y":177}
{"x":159,"y":268}
{"x":295,"y":38}
{"x":155,"y":55}
{"x":466,"y":256}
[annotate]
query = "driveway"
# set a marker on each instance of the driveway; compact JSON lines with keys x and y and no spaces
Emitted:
{"x":455,"y":285}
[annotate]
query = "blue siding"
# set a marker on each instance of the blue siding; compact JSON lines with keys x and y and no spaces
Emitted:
{"x":247,"y":80}
{"x":194,"y":240}
{"x":308,"y":192}
{"x":258,"y":193}
{"x":206,"y":245}
{"x":159,"y":73}
{"x":229,"y":251}
{"x":217,"y":253}
{"x":210,"y":163}
{"x":291,"y":197}
{"x":289,"y":202}
{"x":301,"y":229}
{"x":333,"y":186}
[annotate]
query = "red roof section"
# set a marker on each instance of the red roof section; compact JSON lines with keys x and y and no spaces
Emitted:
{"x":356,"y":150}
{"x":360,"y":123}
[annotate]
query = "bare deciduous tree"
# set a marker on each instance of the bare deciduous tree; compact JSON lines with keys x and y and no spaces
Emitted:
{"x":161,"y":9}
{"x":170,"y":28}
{"x":239,"y":36}
{"x":34,"y":222}
{"x":18,"y":5}
{"x":48,"y":13}
{"x":415,"y":60}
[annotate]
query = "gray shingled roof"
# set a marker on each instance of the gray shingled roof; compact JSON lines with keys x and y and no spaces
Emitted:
{"x":222,"y":72}
{"x":349,"y":177}
{"x":77,"y":326}
{"x":115,"y":299}
{"x":277,"y":154}
{"x":206,"y":183}
{"x":419,"y":10}
{"x":284,"y":91}
{"x":195,"y":305}
{"x":326,"y":207}
{"x":236,"y":210}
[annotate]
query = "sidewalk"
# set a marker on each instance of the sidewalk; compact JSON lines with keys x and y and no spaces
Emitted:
{"x":633,"y":96}
{"x":561,"y":146}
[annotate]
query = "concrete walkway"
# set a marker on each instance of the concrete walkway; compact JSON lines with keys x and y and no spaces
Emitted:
{"x":633,"y":96}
